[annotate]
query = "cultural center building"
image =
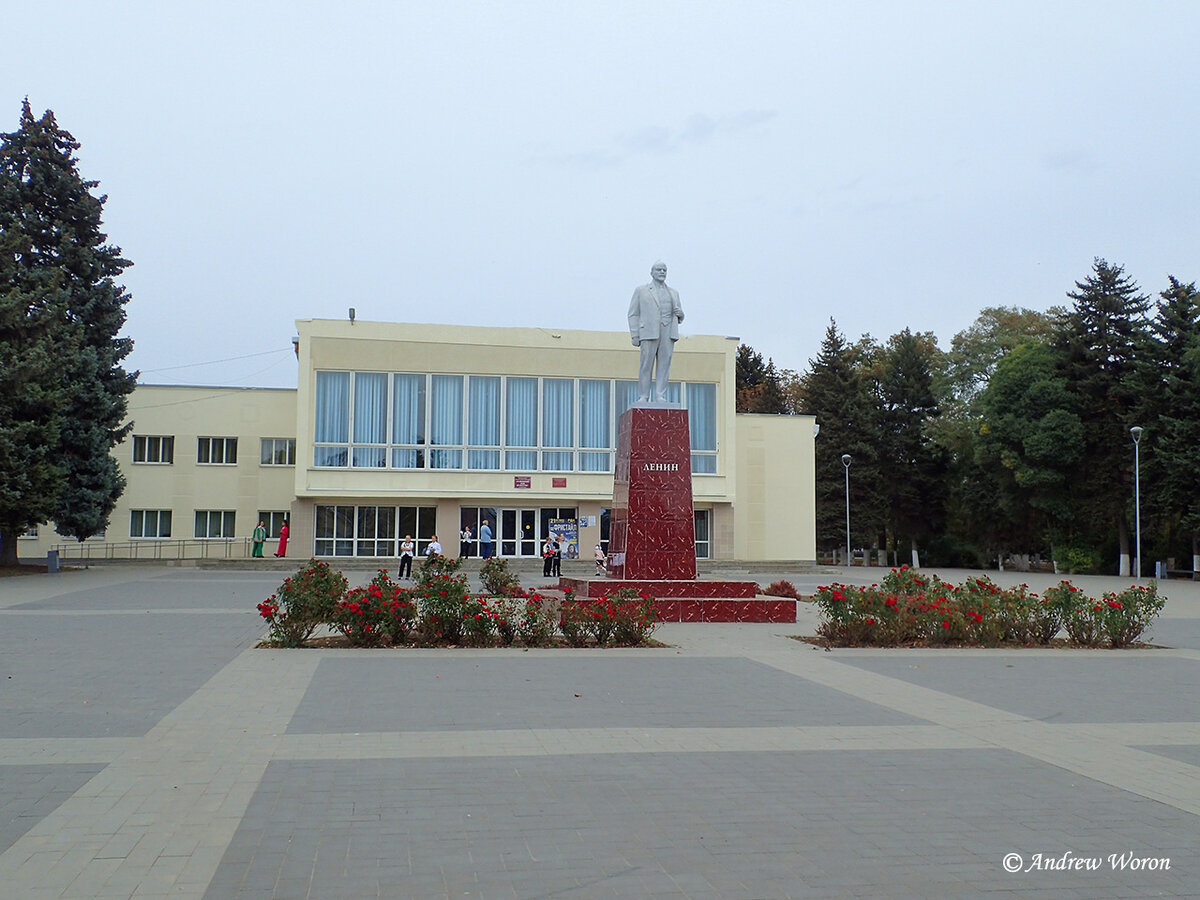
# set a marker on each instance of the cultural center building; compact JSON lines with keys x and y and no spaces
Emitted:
{"x":401,"y":429}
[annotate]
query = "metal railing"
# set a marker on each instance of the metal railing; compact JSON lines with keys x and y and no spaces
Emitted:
{"x":151,"y":549}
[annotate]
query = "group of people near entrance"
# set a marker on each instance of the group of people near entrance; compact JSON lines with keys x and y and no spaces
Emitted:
{"x":466,"y":541}
{"x":552,"y":552}
{"x":259,"y":538}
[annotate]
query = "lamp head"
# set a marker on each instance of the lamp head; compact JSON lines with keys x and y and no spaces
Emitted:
{"x":1136,"y":431}
{"x":846,"y":460}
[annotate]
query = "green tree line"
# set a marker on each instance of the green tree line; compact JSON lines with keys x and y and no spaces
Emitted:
{"x":1015,"y":441}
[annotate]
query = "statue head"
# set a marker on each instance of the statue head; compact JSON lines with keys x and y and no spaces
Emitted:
{"x":658,"y":271}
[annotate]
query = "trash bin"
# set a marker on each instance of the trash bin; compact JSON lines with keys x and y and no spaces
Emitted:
{"x":51,"y":561}
{"x":1160,"y":570}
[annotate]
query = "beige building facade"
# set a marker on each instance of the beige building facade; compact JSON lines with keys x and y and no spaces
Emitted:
{"x":427,"y":430}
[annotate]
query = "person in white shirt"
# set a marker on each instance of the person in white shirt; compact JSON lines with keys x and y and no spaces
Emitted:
{"x":407,"y":551}
{"x":434,"y":548}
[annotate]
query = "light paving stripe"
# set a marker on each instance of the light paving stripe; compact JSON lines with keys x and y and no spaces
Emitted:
{"x":576,"y":741}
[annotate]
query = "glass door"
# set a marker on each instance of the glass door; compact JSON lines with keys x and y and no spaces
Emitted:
{"x":508,"y":532}
{"x":518,"y":532}
{"x":529,"y":538}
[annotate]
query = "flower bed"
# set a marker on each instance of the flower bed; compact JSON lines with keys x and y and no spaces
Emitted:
{"x":439,"y":610}
{"x":910,"y":609}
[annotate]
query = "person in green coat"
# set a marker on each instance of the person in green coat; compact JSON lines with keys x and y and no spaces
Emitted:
{"x":259,"y":538}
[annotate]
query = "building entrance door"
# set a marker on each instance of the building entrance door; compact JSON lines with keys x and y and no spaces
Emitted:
{"x":518,"y":532}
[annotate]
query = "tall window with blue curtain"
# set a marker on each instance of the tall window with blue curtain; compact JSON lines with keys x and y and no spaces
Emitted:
{"x":702,"y":424}
{"x":558,"y":424}
{"x":445,"y":421}
{"x":331,"y":428}
{"x":594,"y":430}
{"x":521,"y":424}
{"x":408,"y":421}
{"x":483,"y":422}
{"x":370,"y":420}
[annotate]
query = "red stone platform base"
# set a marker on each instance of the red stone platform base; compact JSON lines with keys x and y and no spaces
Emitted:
{"x":694,"y":601}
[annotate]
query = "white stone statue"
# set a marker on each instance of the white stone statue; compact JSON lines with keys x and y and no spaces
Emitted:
{"x":654,"y":317}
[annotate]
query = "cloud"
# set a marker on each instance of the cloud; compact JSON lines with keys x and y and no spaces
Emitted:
{"x":696,"y":130}
{"x":1068,"y":160}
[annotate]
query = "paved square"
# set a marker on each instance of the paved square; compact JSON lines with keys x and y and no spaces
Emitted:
{"x":148,"y":750}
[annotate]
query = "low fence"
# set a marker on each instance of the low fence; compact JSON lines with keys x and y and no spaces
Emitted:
{"x":194,"y":548}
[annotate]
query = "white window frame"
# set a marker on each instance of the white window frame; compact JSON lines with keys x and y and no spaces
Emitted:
{"x":226,"y":443}
{"x":158,"y":522}
{"x":153,"y":445}
{"x":227,"y":527}
{"x":289,"y":452}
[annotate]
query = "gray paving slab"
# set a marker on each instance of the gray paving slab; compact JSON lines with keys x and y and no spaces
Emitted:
{"x":84,"y":675}
{"x":1068,"y":686}
{"x":171,"y":591}
{"x":566,"y":690}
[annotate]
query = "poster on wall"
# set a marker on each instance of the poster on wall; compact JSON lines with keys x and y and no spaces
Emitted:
{"x":568,"y":532}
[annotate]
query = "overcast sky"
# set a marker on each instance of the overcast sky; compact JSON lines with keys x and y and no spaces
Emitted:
{"x":889,"y":165}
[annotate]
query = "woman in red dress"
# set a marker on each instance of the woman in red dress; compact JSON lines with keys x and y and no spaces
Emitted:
{"x":283,"y":533}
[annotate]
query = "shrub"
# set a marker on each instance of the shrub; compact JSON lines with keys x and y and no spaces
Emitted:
{"x":359,"y":616}
{"x":305,"y":600}
{"x":1085,"y":623}
{"x":1077,"y":560}
{"x":506,"y":613}
{"x":535,"y":625}
{"x":601,"y":620}
{"x":479,"y":622}
{"x":497,"y":579}
{"x":397,"y":609}
{"x":846,"y":621}
{"x":781,"y":588}
{"x":573,"y":622}
{"x":1127,"y":614}
{"x":442,"y":599}
{"x":988,"y":613}
{"x":636,"y":616}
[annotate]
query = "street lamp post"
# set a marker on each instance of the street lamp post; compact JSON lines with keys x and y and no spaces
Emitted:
{"x":846,"y":464}
{"x":1136,"y":431}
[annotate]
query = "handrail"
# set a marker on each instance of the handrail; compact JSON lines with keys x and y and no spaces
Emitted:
{"x":156,"y":549}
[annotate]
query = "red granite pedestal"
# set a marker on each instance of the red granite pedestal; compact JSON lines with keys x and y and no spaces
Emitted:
{"x":652,"y":546}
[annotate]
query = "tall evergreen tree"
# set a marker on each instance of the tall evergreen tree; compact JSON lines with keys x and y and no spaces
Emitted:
{"x":837,"y":392}
{"x":757,"y":384}
{"x":31,"y":400}
{"x":1168,"y":388}
{"x":914,"y":466}
{"x":59,"y":263}
{"x":1101,"y":338}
